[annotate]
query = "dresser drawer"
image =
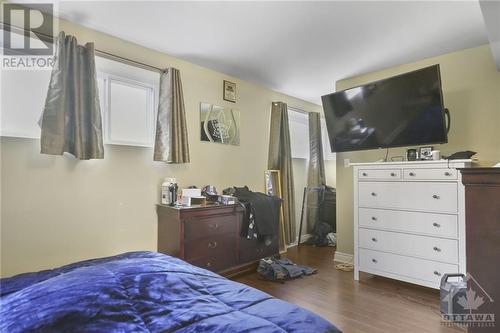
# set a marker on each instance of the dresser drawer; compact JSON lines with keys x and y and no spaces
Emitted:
{"x":374,"y":174}
{"x":205,"y":226}
{"x":430,"y":174}
{"x":217,"y":245}
{"x":425,"y":270}
{"x":438,"y":225}
{"x":432,"y":248}
{"x":423,"y":196}
{"x":252,"y":249}
{"x":215,"y":263}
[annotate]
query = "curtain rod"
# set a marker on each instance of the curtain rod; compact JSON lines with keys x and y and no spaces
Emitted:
{"x":294,"y":109}
{"x":100,"y":53}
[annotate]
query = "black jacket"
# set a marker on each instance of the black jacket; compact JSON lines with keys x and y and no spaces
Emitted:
{"x":265,"y":208}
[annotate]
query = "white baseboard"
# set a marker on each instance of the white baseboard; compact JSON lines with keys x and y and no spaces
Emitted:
{"x":303,"y":238}
{"x":345,"y":258}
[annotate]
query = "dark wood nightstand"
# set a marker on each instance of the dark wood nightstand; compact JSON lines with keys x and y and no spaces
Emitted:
{"x":209,"y":237}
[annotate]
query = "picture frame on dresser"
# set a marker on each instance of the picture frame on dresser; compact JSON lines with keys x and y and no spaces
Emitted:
{"x":425,"y":153}
{"x":409,"y":220}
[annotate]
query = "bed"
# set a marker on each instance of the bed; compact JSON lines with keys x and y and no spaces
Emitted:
{"x":144,"y":292}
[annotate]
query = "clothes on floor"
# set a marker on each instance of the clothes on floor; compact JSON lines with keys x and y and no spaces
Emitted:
{"x":276,"y":269}
{"x":322,"y":235}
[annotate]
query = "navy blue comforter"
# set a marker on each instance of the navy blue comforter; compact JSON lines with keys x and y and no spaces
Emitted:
{"x":143,"y":292}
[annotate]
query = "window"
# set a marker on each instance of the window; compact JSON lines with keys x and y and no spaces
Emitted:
{"x":23,"y":95}
{"x":128,"y":111}
{"x":128,"y":96}
{"x":299,"y":135}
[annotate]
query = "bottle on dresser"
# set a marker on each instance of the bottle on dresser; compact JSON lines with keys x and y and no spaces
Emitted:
{"x":166,"y":192}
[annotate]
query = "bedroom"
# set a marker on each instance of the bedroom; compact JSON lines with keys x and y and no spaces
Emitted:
{"x":58,"y":210}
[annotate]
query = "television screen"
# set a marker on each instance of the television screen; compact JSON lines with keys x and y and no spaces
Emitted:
{"x":404,"y":110}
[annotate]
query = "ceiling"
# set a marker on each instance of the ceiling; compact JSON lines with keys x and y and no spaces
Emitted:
{"x":298,"y":48}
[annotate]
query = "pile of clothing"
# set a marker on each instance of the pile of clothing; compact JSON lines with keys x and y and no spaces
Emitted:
{"x":281,"y":269}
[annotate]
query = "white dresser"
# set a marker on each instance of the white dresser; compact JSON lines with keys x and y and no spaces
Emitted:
{"x":409,"y":220}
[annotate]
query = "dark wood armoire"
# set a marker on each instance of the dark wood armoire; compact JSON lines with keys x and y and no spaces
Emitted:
{"x":482,"y":211}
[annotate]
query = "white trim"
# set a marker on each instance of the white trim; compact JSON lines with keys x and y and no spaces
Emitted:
{"x":345,"y":258}
{"x":18,"y":134}
{"x":298,"y":110}
{"x":303,"y":239}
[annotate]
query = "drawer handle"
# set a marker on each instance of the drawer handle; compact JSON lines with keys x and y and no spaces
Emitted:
{"x":435,"y":196}
{"x":412,"y":174}
{"x":393,"y":174}
{"x":212,"y":245}
{"x":364,"y":174}
{"x":437,"y":273}
{"x":374,"y":194}
{"x":374,"y":218}
{"x":213,"y":226}
{"x":437,"y":225}
{"x":209,"y":264}
{"x":447,"y":173}
{"x":437,"y":249}
{"x":374,"y":261}
{"x":374,"y":239}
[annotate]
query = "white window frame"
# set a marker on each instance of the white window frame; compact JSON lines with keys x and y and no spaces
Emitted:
{"x":106,"y":108}
{"x":300,"y":117}
{"x":327,"y":154}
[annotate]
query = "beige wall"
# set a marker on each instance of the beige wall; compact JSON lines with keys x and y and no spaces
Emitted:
{"x":471,"y":88}
{"x":56,"y":210}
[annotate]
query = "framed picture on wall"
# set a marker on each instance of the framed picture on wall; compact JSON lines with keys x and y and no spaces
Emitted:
{"x":229,"y":91}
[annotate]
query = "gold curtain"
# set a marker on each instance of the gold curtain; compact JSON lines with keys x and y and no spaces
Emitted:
{"x":171,"y":141}
{"x":280,"y":158}
{"x":71,"y":119}
{"x":316,"y":171}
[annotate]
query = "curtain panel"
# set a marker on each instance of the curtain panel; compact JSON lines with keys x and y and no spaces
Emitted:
{"x":71,"y":119}
{"x":316,"y":171}
{"x":280,"y":158}
{"x":171,"y":141}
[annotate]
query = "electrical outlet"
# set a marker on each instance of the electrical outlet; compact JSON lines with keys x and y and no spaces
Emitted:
{"x":347,"y":162}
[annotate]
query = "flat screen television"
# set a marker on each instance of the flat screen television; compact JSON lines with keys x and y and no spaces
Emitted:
{"x":404,"y":110}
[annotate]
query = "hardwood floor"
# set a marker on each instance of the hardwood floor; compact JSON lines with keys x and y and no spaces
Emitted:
{"x":372,"y":305}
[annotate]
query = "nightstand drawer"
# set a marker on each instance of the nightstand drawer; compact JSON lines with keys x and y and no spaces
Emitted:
{"x":220,"y":245}
{"x":252,"y":249}
{"x":215,"y":263}
{"x":432,"y":248}
{"x":421,"y":196}
{"x":430,"y":174}
{"x":205,"y":226}
{"x":383,"y":174}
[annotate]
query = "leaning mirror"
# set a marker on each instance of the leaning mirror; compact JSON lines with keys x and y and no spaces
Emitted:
{"x":219,"y":124}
